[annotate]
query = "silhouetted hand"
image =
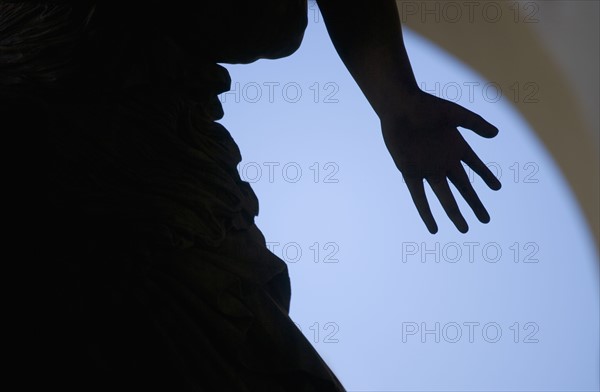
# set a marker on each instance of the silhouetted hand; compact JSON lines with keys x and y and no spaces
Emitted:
{"x":425,"y":143}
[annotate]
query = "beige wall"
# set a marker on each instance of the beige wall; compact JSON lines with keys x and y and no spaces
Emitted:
{"x":554,"y":44}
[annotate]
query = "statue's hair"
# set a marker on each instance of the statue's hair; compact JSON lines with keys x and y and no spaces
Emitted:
{"x":38,"y":41}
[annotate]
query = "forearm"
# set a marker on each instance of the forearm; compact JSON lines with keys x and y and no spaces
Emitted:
{"x":368,"y":39}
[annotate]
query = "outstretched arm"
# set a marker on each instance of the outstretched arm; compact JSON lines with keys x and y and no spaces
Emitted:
{"x":419,"y":129}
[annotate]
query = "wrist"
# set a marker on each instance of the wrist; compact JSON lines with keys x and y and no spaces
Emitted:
{"x":402,"y":103}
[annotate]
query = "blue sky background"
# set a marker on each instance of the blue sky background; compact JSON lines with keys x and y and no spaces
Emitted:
{"x":512,"y":305}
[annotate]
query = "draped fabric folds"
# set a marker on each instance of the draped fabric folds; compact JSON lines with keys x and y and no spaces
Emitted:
{"x":155,"y":276}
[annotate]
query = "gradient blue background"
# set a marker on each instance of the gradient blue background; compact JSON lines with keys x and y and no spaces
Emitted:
{"x":379,"y":280}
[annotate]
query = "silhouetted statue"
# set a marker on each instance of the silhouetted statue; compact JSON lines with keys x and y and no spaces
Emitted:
{"x":144,"y":268}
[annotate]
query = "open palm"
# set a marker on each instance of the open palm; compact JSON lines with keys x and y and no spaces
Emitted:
{"x":425,"y":144}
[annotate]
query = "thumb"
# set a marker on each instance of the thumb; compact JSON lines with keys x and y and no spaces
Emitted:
{"x":473,"y":121}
